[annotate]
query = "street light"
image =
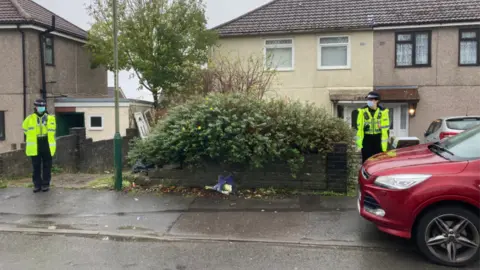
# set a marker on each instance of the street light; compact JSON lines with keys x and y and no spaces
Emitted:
{"x":117,"y":139}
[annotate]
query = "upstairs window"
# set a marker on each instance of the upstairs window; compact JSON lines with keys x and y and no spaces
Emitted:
{"x":469,"y":47}
{"x":412,"y":49}
{"x":279,"y":54}
{"x":334,"y":53}
{"x":48,"y":51}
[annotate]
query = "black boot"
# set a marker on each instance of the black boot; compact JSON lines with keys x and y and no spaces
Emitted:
{"x":36,"y":189}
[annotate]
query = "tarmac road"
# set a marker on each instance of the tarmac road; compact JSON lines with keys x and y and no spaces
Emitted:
{"x":24,"y":252}
{"x":86,"y":229}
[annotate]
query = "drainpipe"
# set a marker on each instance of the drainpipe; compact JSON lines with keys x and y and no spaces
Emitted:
{"x":24,"y":72}
{"x":24,"y":75}
{"x":43,"y":90}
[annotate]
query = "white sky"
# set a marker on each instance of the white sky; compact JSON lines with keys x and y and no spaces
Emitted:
{"x":218,"y":11}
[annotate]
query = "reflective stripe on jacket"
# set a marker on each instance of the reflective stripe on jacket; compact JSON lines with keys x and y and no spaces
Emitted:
{"x":379,"y":123}
{"x":35,"y":126}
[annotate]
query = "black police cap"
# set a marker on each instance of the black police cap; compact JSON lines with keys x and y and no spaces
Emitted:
{"x":373,"y":95}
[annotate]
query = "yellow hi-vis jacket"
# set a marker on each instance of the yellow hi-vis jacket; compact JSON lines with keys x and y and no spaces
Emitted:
{"x":35,"y":126}
{"x":369,"y":124}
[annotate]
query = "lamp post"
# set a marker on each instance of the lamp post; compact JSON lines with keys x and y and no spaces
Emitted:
{"x":117,"y":139}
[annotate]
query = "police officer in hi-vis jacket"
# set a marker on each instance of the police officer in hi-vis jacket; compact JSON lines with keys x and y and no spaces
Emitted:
{"x":373,"y":127}
{"x":40,"y":128}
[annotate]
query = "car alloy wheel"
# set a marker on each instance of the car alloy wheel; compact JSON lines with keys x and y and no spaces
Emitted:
{"x":450,"y":237}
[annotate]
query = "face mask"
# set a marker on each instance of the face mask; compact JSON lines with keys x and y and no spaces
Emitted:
{"x":370,"y":103}
{"x":40,"y":109}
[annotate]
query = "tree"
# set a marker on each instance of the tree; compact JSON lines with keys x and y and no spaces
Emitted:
{"x":249,"y":75}
{"x":228,"y":74}
{"x":162,"y":41}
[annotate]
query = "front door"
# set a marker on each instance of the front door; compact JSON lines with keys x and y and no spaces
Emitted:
{"x":398,"y":116}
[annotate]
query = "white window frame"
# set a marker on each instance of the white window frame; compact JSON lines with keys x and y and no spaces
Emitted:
{"x":90,"y":123}
{"x":277,"y":46}
{"x":320,"y":46}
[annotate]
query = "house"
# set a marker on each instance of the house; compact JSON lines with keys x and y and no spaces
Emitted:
{"x":97,"y":115}
{"x":333,"y":53}
{"x":316,"y":47}
{"x":429,"y":64}
{"x":43,"y":55}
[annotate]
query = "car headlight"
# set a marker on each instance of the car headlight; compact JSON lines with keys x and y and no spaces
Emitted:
{"x":401,"y":181}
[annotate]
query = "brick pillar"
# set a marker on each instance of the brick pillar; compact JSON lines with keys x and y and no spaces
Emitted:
{"x":81,"y":138}
{"x":337,"y":168}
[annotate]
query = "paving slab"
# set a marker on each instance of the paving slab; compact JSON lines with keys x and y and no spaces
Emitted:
{"x":263,"y":225}
{"x":151,"y":224}
{"x":22,"y":201}
{"x":341,"y":226}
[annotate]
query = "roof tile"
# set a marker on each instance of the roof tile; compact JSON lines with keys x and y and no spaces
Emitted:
{"x":28,"y":11}
{"x":284,"y":16}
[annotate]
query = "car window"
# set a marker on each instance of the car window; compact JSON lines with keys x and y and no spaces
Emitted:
{"x":438,"y":125}
{"x":434,"y":126}
{"x":465,"y":145}
{"x":463,"y":123}
{"x":430,"y":128}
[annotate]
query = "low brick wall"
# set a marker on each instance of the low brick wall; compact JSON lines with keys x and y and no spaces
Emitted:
{"x":75,"y":153}
{"x":320,"y":172}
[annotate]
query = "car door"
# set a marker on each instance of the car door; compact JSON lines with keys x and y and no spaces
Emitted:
{"x":433,"y":132}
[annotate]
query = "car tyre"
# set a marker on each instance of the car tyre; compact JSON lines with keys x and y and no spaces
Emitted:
{"x":430,"y":219}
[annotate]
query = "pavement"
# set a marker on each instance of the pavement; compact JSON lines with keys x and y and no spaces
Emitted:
{"x":82,"y":228}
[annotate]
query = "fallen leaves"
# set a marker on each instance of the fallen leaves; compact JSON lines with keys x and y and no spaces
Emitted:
{"x":258,"y":193}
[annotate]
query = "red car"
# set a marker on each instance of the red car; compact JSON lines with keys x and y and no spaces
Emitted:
{"x":429,"y":193}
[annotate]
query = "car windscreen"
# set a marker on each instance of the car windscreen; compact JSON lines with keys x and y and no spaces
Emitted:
{"x":464,"y":146}
{"x":463,"y":123}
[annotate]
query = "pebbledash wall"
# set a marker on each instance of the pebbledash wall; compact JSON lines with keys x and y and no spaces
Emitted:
{"x":320,"y":172}
{"x":75,"y":153}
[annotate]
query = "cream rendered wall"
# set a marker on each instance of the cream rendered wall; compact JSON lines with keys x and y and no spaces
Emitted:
{"x":306,"y":82}
{"x":108,"y":114}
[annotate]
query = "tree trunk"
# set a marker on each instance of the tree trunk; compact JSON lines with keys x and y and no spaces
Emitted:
{"x":155,"y":100}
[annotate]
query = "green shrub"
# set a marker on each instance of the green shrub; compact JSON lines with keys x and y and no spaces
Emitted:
{"x":241,"y":130}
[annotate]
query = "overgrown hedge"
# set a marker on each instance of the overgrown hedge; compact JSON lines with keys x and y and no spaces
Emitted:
{"x":238,"y":129}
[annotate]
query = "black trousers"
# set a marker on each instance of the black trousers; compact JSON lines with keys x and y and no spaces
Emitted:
{"x":42,"y":164}
{"x":372,"y":145}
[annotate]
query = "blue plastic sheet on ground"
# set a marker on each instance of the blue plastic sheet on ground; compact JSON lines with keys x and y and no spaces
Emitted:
{"x":225,"y":185}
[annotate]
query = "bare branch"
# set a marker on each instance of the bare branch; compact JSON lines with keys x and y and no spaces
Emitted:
{"x":237,"y":75}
